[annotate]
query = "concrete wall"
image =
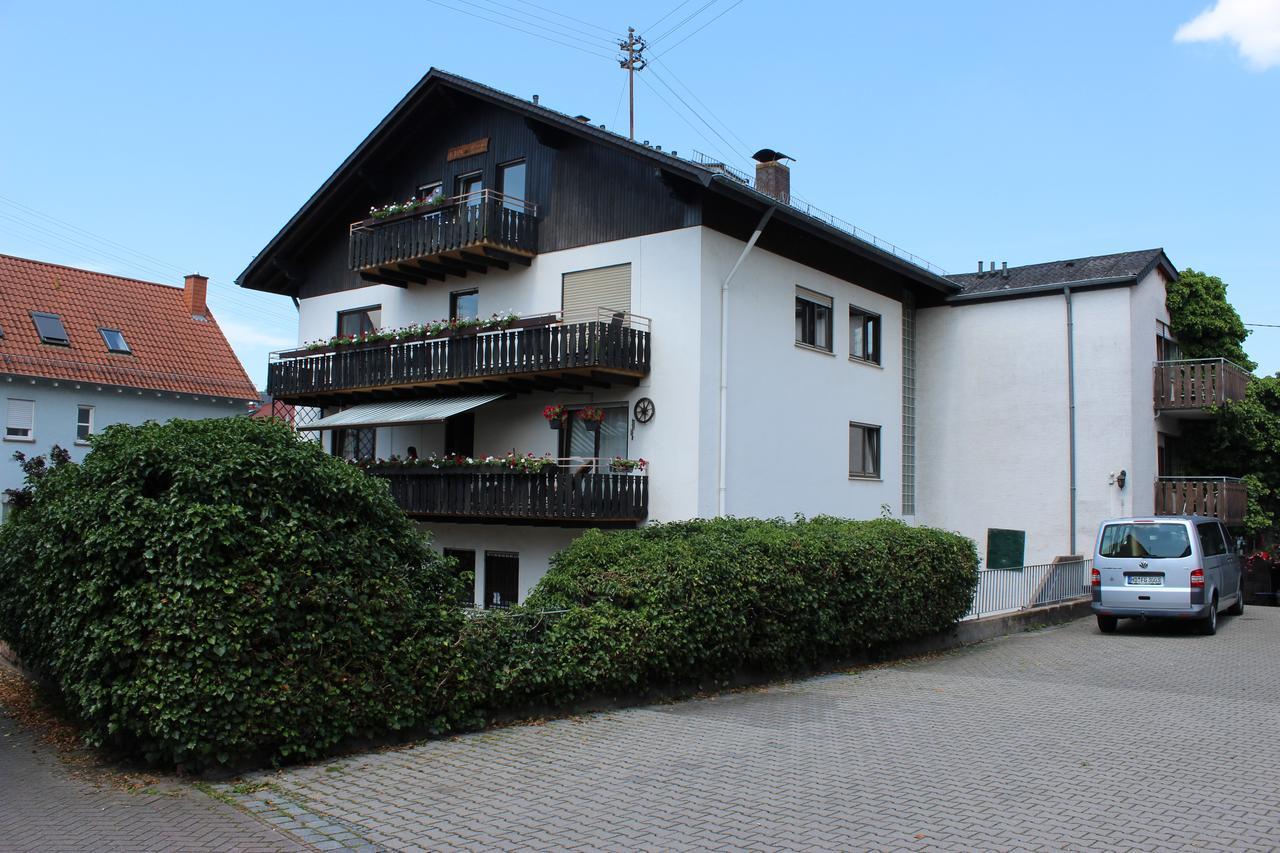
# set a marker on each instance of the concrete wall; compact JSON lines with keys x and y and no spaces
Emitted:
{"x":993,"y":415}
{"x":56,"y":411}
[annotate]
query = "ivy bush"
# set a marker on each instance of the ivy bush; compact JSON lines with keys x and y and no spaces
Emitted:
{"x":693,"y":602}
{"x":208,"y":592}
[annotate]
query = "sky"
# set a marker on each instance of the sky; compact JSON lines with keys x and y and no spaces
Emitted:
{"x":152,"y":139}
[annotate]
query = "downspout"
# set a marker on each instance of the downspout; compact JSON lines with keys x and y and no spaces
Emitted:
{"x":722,"y":472}
{"x":1071,"y":403}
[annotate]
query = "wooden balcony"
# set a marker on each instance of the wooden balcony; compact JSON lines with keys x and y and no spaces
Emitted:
{"x":1222,"y":497}
{"x":464,"y":234}
{"x":1188,"y":387}
{"x":558,"y":496}
{"x":549,"y":357}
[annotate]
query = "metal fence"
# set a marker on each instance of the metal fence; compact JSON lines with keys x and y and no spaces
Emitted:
{"x":1011,"y":590}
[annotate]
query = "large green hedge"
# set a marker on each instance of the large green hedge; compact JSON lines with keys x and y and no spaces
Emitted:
{"x":694,"y":602}
{"x":209,"y":591}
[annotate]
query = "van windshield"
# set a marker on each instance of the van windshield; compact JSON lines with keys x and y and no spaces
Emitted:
{"x":1153,"y":541}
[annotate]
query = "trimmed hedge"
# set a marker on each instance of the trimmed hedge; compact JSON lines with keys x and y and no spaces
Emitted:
{"x":691,"y":602}
{"x":204,"y":592}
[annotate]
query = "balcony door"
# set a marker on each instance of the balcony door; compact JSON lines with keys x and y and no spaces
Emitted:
{"x":465,"y":569}
{"x":470,"y":186}
{"x":605,"y":443}
{"x":501,"y":578}
{"x":587,"y":291}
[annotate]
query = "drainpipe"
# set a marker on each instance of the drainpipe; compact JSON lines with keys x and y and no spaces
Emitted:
{"x":1071,"y":403}
{"x":722,"y":472}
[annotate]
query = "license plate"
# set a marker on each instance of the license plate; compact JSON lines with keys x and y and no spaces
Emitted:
{"x":1145,"y":580}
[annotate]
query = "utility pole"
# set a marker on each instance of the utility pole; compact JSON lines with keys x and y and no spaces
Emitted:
{"x":635,"y":61}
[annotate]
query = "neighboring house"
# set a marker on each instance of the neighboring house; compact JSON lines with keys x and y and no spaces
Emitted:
{"x":1054,"y":393}
{"x":82,"y":350}
{"x":761,"y":357}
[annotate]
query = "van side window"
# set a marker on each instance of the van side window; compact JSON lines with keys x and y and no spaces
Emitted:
{"x":1226,"y":537}
{"x":1211,"y":539}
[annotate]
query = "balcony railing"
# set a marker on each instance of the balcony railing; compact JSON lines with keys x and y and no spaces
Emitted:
{"x":557,"y":352}
{"x":1223,"y":497}
{"x":414,"y":244}
{"x":1196,"y":384}
{"x":577,"y":495}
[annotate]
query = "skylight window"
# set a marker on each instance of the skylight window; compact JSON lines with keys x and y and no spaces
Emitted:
{"x":49,"y":327}
{"x":115,"y":341}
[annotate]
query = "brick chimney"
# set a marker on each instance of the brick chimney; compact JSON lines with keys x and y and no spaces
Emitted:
{"x":773,"y":177}
{"x":194,"y":289}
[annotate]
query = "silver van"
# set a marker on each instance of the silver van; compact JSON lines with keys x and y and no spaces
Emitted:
{"x":1167,"y":567}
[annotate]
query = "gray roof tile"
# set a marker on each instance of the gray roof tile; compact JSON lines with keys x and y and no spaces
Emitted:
{"x":1082,"y":270}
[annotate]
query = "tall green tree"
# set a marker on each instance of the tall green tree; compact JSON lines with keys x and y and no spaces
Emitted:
{"x":1203,"y":321}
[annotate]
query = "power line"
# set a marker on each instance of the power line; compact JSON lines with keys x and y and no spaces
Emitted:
{"x":701,"y":28}
{"x":1264,"y":325}
{"x":684,"y":21}
{"x":572,"y":18}
{"x":577,"y":47}
{"x":745,"y":146}
{"x":678,"y":7}
{"x":538,"y":21}
{"x":711,"y":145}
{"x":696,"y":114}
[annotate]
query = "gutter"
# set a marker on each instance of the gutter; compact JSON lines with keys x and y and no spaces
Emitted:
{"x":1040,"y":289}
{"x":1071,"y":406}
{"x":722,"y":462}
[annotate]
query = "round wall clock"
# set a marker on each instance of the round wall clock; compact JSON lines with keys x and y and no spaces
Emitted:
{"x":644,"y":410}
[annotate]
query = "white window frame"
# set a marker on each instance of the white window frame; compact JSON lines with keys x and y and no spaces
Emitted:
{"x":877,"y":449}
{"x":873,"y":353}
{"x":80,"y":408}
{"x":8,"y":421}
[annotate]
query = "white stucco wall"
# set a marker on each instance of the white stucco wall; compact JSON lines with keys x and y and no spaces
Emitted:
{"x":993,"y":446}
{"x":56,"y":412}
{"x":790,"y":406}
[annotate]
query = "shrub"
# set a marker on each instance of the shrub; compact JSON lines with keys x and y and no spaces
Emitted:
{"x":683,"y":603}
{"x":203,"y":592}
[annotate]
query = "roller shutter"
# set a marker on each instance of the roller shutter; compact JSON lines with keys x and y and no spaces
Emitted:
{"x":587,"y":291}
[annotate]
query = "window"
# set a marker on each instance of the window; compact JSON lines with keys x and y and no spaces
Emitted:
{"x":49,"y":327}
{"x":429,"y":189}
{"x":864,"y":335}
{"x":359,"y":320}
{"x":464,"y":304}
{"x":470,"y":186}
{"x":84,"y":424}
{"x":511,"y":183}
{"x":20,"y":420}
{"x":585,"y":292}
{"x":114,"y":339}
{"x":608,"y":441}
{"x":864,"y":450}
{"x":1152,"y":541}
{"x":813,"y":319}
{"x":501,"y":578}
{"x":1211,"y":541}
{"x":465,"y":570}
{"x":355,"y":443}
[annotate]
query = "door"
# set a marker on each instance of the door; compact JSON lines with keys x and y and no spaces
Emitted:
{"x":460,"y":435}
{"x":608,"y":441}
{"x":1214,"y":549}
{"x":501,"y":578}
{"x":465,"y":569}
{"x":1232,"y":566}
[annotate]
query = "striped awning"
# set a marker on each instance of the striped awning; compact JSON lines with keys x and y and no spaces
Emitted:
{"x":401,"y":412}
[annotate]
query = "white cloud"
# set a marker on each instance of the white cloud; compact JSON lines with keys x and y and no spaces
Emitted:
{"x":1253,"y":25}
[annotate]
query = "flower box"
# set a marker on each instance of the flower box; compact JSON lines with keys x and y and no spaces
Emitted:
{"x":410,"y":338}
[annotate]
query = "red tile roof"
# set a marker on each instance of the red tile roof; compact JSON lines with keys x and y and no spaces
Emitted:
{"x":171,"y":351}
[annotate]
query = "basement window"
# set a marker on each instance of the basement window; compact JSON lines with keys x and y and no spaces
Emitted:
{"x":114,"y":339}
{"x":50,"y":329}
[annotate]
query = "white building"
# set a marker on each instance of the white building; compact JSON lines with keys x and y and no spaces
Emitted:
{"x":82,"y":350}
{"x":760,"y":359}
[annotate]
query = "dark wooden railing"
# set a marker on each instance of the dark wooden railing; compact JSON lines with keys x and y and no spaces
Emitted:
{"x":487,"y":220}
{"x":1198,"y":383}
{"x":514,"y":352}
{"x":1223,"y":497}
{"x":556,"y":494}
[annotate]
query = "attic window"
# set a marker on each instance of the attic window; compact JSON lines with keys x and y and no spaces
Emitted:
{"x":49,"y":327}
{"x":115,"y":341}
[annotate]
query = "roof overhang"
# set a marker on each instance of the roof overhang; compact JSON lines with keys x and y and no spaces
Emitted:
{"x":403,"y":412}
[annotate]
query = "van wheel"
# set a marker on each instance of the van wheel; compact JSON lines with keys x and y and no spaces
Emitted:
{"x":1237,"y":609}
{"x":1107,"y":624}
{"x":1209,"y":624}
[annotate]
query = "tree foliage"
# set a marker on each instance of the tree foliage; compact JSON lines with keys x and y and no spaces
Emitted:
{"x":1244,"y":441}
{"x":1203,"y":321}
{"x":204,"y":592}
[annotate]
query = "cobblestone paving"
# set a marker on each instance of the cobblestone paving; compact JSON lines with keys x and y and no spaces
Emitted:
{"x":1151,"y":739}
{"x":44,"y":806}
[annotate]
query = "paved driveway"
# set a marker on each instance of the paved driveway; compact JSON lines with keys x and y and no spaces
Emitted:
{"x":1154,"y":738}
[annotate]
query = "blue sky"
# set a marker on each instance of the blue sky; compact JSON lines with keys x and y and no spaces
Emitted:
{"x":151,"y":139}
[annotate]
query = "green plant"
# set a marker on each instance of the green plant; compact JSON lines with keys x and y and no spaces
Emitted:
{"x":208,"y":592}
{"x":694,"y":602}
